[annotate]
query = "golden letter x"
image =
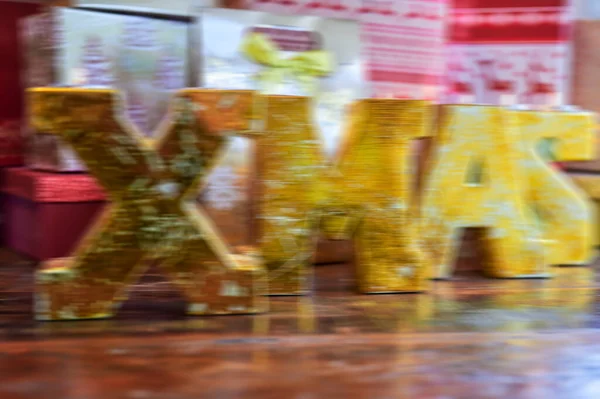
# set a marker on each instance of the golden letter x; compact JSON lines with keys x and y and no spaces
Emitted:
{"x":153,"y":216}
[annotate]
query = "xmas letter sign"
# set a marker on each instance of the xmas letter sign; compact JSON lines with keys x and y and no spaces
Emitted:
{"x":486,"y":172}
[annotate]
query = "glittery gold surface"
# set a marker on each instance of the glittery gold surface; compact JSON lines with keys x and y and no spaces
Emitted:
{"x":153,"y":214}
{"x":564,"y":211}
{"x":487,"y":138}
{"x":290,"y":185}
{"x":367,"y":192}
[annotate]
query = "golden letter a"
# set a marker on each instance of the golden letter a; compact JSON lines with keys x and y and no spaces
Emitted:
{"x":475,"y":180}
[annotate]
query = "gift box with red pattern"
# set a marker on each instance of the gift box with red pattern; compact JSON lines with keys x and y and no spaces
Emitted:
{"x":46,"y":214}
{"x":403,"y":40}
{"x":507,"y":51}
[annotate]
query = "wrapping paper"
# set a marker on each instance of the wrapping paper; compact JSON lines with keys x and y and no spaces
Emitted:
{"x":145,"y":58}
{"x":403,"y":40}
{"x":506,"y":51}
{"x":312,"y":56}
{"x":11,"y":110}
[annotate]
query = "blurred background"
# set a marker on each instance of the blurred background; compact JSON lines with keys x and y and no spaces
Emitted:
{"x":471,"y":337}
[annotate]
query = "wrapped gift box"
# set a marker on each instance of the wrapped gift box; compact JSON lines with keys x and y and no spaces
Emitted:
{"x":403,"y":40}
{"x":499,"y":49}
{"x":45,"y":214}
{"x":231,"y":189}
{"x":144,"y":57}
{"x":11,"y":137}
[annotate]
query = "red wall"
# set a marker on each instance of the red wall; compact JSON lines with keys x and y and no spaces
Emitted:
{"x":11,"y":91}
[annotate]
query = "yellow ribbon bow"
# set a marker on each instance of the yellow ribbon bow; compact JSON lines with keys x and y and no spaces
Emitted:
{"x":305,"y":66}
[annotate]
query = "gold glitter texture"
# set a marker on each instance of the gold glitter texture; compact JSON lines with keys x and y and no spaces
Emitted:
{"x":367,"y":192}
{"x":482,"y":139}
{"x":565,"y":213}
{"x":153,"y":216}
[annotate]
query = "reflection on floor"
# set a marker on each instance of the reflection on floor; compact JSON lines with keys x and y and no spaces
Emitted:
{"x":469,"y":338}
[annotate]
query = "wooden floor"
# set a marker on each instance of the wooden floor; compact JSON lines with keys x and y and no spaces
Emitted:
{"x":469,"y":338}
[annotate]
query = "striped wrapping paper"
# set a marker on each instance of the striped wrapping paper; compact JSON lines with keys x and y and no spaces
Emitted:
{"x":403,"y":40}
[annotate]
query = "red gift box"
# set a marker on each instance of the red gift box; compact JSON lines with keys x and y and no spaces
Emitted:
{"x":46,"y":214}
